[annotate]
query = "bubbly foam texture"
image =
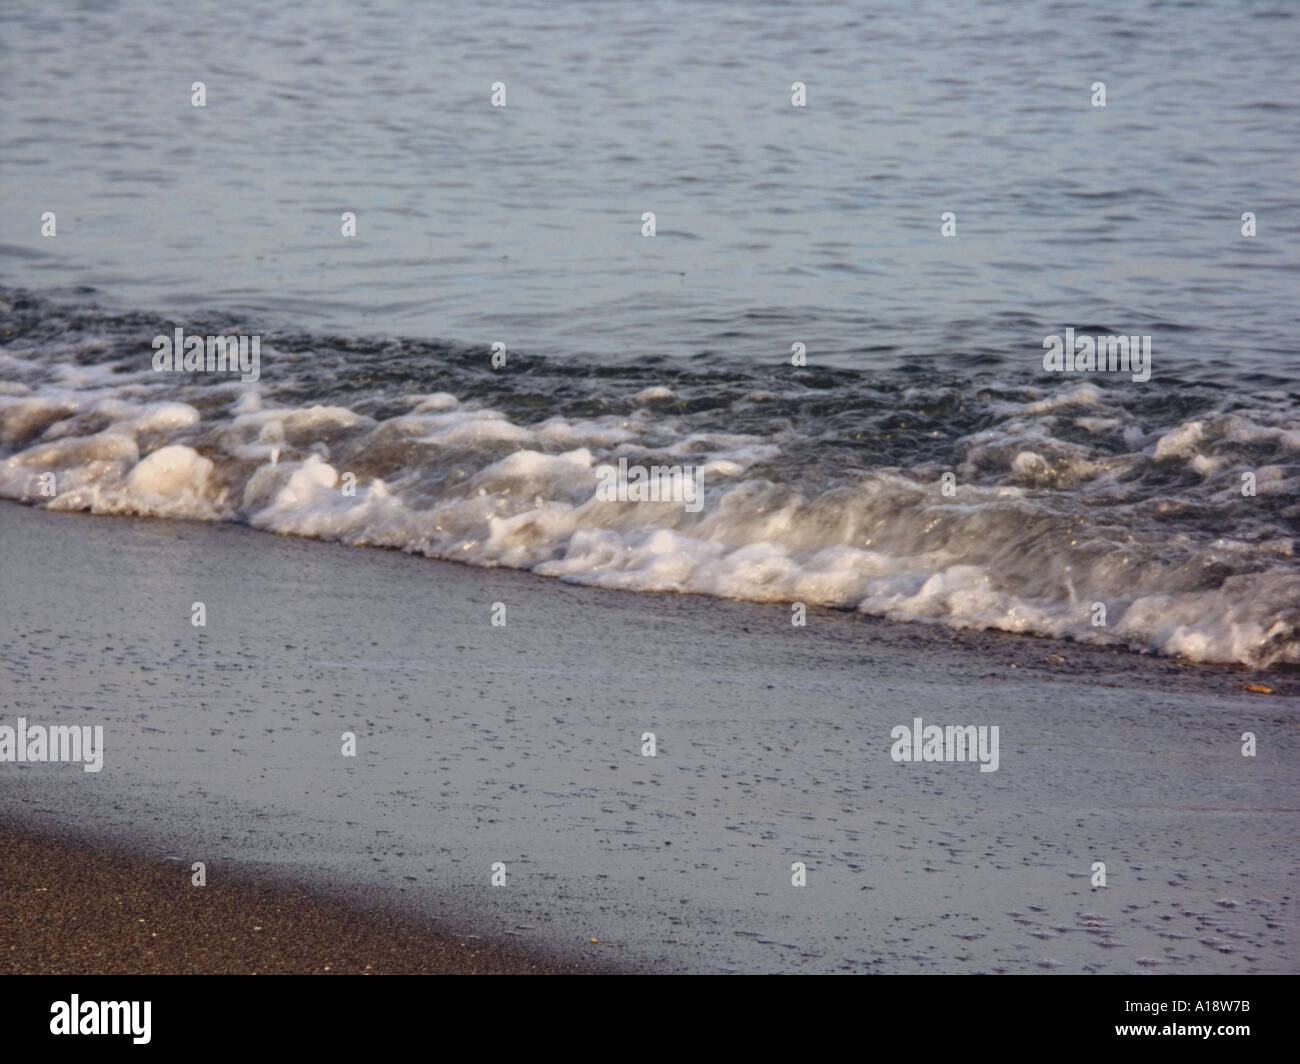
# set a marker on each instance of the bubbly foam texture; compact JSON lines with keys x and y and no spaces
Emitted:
{"x":1066,"y":496}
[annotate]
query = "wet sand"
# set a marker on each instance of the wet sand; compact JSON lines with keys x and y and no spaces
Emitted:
{"x":522,"y":745}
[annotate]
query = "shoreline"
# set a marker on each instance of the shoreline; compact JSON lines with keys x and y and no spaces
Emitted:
{"x":522,"y":745}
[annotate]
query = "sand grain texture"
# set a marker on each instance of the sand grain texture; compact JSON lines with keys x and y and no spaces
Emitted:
{"x":73,"y":908}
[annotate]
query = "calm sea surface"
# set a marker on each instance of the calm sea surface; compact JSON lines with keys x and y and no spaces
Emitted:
{"x":775,"y":224}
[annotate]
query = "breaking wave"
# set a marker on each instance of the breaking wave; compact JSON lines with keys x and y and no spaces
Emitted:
{"x":820,"y":486}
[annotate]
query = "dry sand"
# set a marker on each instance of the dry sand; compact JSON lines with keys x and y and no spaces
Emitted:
{"x":71,"y":906}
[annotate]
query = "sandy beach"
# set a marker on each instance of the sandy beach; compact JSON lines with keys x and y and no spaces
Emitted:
{"x":523,"y":745}
{"x":72,"y":906}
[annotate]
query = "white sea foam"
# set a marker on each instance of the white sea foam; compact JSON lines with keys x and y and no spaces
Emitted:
{"x":1016,"y":549}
